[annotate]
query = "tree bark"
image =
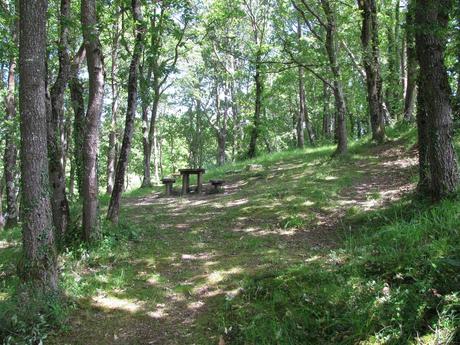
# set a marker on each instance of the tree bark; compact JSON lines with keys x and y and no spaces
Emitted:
{"x":370,"y":43}
{"x":59,"y":203}
{"x":93,"y":115}
{"x":431,"y":20}
{"x":38,"y":267}
{"x":340,"y":105}
{"x":114,"y":206}
{"x":424,"y":183}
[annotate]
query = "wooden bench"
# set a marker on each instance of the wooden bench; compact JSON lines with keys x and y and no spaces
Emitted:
{"x":168,"y":182}
{"x":216,"y":184}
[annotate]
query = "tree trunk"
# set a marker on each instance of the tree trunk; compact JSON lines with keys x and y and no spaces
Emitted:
{"x":424,"y":183}
{"x":38,"y":266}
{"x":93,"y":115}
{"x":78,"y":106}
{"x":112,"y":151}
{"x":59,"y":203}
{"x":11,"y":150}
{"x":258,"y":108}
{"x":147,"y":181}
{"x":114,"y":206}
{"x":327,"y":119}
{"x":431,"y":19}
{"x":412,"y":65}
{"x":394,"y":91}
{"x":370,"y":43}
{"x":332,"y":52}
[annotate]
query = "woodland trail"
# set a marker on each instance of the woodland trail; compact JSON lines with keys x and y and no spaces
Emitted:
{"x":193,"y":253}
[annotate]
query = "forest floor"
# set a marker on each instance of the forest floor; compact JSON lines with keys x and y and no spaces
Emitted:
{"x":184,"y":257}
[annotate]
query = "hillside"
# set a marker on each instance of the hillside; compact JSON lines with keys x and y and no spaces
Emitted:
{"x":306,"y":248}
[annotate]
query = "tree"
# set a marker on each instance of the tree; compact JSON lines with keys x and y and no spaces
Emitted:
{"x":114,"y":206}
{"x":257,"y":12}
{"x":38,"y":266}
{"x":11,"y":151}
{"x":328,"y":23}
{"x":59,"y":203}
{"x":161,"y":58}
{"x":412,"y":64}
{"x":431,"y":19}
{"x":91,"y":128}
{"x":370,"y":43}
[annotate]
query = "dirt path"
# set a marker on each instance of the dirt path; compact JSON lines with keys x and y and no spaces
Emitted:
{"x":195,"y":252}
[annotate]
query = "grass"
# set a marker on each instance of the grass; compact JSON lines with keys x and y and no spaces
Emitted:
{"x":299,"y":252}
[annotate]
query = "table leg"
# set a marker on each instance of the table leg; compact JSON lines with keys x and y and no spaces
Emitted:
{"x":187,"y":183}
{"x":199,"y":183}
{"x":184,"y":184}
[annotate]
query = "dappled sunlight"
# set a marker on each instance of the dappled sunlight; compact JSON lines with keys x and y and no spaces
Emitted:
{"x":159,"y":313}
{"x":200,"y":256}
{"x":114,"y":303}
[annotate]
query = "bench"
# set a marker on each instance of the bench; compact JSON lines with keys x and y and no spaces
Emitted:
{"x":216,"y":184}
{"x":168,"y":182}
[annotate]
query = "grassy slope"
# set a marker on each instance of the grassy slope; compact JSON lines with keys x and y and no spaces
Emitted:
{"x":394,"y":280}
{"x":170,"y":271}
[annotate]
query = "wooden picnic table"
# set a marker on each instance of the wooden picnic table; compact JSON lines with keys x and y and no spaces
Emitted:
{"x":185,"y":173}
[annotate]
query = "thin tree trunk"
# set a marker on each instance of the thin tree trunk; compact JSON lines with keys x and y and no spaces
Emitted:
{"x":156,"y":159}
{"x":93,"y":115}
{"x":38,"y":267}
{"x":370,"y":43}
{"x":431,"y":20}
{"x":2,"y":217}
{"x":301,"y":113}
{"x":78,"y":106}
{"x":412,"y":65}
{"x":340,"y":105}
{"x":258,"y":108}
{"x":147,"y":181}
{"x":112,"y":151}
{"x":114,"y":206}
{"x":327,"y":119}
{"x":11,"y":150}
{"x":59,"y":203}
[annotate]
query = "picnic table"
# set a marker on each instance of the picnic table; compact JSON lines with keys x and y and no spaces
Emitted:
{"x":185,"y":173}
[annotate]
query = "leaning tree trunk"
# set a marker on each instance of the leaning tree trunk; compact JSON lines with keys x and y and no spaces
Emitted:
{"x":340,"y":105}
{"x":114,"y":206}
{"x":431,"y":20}
{"x":258,"y":108}
{"x":93,"y":115}
{"x":11,"y":150}
{"x":38,"y":267}
{"x":59,"y":203}
{"x":370,"y":43}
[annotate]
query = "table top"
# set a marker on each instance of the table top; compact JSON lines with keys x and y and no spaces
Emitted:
{"x":192,"y":171}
